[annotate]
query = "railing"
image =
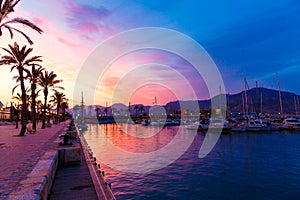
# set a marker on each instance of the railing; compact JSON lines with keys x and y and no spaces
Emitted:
{"x":102,"y":187}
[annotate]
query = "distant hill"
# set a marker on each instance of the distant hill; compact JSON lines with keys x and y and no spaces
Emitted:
{"x":270,"y":103}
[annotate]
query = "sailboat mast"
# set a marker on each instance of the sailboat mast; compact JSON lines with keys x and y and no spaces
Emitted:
{"x":295,"y":103}
{"x":256,"y":97}
{"x":261,"y":102}
{"x":228,"y":104}
{"x":243,"y":101}
{"x":220,"y":97}
{"x":246,"y":99}
{"x":280,"y":100}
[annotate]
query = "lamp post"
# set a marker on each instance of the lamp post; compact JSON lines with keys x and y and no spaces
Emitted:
{"x":17,"y":116}
{"x":11,"y":112}
{"x":16,"y":113}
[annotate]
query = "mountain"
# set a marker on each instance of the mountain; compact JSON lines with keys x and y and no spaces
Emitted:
{"x":270,"y":103}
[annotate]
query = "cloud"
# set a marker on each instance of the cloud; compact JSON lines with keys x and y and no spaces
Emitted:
{"x":68,"y":43}
{"x":86,"y":20}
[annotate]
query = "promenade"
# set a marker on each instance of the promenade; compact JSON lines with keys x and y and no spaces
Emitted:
{"x":19,"y":155}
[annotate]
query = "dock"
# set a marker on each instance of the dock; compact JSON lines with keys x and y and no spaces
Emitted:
{"x":30,"y":168}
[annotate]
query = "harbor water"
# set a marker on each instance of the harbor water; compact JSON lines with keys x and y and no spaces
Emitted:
{"x":240,"y":166}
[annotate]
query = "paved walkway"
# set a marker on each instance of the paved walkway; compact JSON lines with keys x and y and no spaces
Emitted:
{"x":73,"y":182}
{"x":19,"y":155}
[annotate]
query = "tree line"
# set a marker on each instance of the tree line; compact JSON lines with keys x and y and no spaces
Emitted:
{"x":30,"y":71}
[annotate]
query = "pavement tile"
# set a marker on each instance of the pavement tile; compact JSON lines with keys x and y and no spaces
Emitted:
{"x":19,"y":155}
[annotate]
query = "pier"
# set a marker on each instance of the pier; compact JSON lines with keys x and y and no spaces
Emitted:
{"x":30,"y":168}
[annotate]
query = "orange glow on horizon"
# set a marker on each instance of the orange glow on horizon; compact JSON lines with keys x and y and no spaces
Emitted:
{"x":146,"y":95}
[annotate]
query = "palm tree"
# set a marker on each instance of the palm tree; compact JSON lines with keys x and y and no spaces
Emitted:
{"x":141,"y":109}
{"x":136,"y":108}
{"x":39,"y":107}
{"x":57,"y":99}
{"x":18,"y":59}
{"x":97,"y":110}
{"x":6,"y":8}
{"x":76,"y":109}
{"x":47,"y":81}
{"x":18,"y":96}
{"x":33,"y":79}
{"x":64,"y":106}
{"x":106,"y":111}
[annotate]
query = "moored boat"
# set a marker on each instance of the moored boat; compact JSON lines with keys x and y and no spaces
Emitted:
{"x":239,"y":128}
{"x":291,"y":123}
{"x":253,"y":126}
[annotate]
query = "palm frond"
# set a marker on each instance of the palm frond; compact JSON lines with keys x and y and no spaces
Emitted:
{"x":9,"y":51}
{"x":24,"y":35}
{"x":7,"y":7}
{"x":17,"y":78}
{"x":26,"y":71}
{"x":10,"y":31}
{"x":33,"y":59}
{"x":20,"y":20}
{"x":13,"y":90}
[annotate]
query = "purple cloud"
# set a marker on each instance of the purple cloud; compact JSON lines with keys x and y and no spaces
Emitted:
{"x":88,"y":21}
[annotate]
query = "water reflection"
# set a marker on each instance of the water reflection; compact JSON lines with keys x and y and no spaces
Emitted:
{"x":241,"y":166}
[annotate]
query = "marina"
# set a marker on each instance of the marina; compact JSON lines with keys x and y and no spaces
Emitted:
{"x":241,"y":166}
{"x":179,"y":100}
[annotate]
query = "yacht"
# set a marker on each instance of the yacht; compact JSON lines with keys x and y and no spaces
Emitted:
{"x":291,"y":123}
{"x":254,"y":126}
{"x":241,"y":127}
{"x":219,"y":124}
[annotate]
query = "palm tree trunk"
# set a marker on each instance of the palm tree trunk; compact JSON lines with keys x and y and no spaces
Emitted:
{"x":45,"y":107}
{"x":33,"y":106}
{"x":24,"y":105}
{"x":57,"y":110}
{"x":64,"y":114}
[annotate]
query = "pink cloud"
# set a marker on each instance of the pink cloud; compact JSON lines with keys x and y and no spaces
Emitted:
{"x":87,"y":21}
{"x":68,"y":43}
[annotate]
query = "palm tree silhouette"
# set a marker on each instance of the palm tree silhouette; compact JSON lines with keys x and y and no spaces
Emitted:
{"x":57,"y":99}
{"x":64,"y":106}
{"x":33,"y":79}
{"x":6,"y":8}
{"x":136,"y":108}
{"x":97,"y":110}
{"x":17,"y":58}
{"x":47,"y":81}
{"x":141,"y":109}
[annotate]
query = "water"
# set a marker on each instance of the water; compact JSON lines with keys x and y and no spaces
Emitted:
{"x":241,"y":165}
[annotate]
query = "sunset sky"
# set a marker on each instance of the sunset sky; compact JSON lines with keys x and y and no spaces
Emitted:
{"x":253,"y":39}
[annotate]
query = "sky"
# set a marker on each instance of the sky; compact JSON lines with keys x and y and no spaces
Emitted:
{"x":254,"y":39}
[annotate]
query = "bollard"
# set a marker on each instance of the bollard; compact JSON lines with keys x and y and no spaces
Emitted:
{"x":108,"y":183}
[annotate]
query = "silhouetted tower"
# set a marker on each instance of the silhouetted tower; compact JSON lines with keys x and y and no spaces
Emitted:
{"x":82,"y":106}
